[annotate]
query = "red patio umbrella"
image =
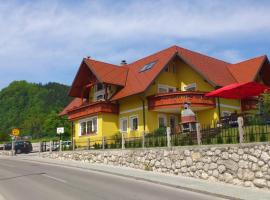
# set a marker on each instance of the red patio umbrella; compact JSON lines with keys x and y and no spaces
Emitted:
{"x":239,"y":90}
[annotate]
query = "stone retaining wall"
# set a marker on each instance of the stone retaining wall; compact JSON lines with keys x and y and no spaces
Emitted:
{"x":247,"y":165}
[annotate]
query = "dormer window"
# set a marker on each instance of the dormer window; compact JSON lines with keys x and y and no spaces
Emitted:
{"x":99,"y":87}
{"x":147,"y":66}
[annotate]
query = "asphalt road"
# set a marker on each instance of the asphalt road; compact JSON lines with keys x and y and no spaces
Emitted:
{"x":21,"y":180}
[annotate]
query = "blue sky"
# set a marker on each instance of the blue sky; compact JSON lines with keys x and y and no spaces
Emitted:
{"x":43,"y":41}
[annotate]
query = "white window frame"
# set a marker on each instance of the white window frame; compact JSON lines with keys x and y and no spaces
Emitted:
{"x":165,"y":119}
{"x":189,"y":86}
{"x":99,"y":92}
{"x":166,"y":87}
{"x":121,"y":124}
{"x":131,"y":122}
{"x":86,"y":120}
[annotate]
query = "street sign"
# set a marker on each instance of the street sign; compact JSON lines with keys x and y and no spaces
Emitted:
{"x":15,"y":132}
{"x":60,"y":130}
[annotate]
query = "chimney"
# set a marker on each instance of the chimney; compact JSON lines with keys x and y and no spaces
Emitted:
{"x":123,"y":62}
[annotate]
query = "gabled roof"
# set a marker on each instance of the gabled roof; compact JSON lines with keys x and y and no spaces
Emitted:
{"x":108,"y":73}
{"x":90,"y":70}
{"x":132,"y":81}
{"x":247,"y":70}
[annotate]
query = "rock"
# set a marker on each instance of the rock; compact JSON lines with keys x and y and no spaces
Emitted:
{"x":217,"y":152}
{"x":243,"y":164}
{"x":257,"y":153}
{"x":227,"y":177}
{"x":215,"y":173}
{"x":248,"y":184}
{"x":240,"y":152}
{"x":213,"y":166}
{"x":204,"y":176}
{"x":259,"y":174}
{"x":230,"y":164}
{"x":260,"y":183}
{"x":245,"y":174}
{"x":212,"y":179}
{"x":254,"y":167}
{"x":177,"y":164}
{"x":225,"y":155}
{"x":206,"y":167}
{"x":189,"y":161}
{"x":157,"y":164}
{"x":236,"y":181}
{"x":196,"y":156}
{"x":183,"y":163}
{"x":265,"y":157}
{"x":245,"y":157}
{"x":264,"y":168}
{"x":187,"y":153}
{"x":183,"y":169}
{"x":199,"y":165}
{"x":260,"y":163}
{"x":235,"y":157}
{"x":221,"y":168}
{"x":252,"y":158}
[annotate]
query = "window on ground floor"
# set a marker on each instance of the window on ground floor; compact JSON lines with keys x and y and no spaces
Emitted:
{"x":162,"y":121}
{"x":88,"y":126}
{"x":123,"y":124}
{"x":134,"y":123}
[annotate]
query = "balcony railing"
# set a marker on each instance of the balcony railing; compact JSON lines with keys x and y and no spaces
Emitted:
{"x":93,"y":108}
{"x":176,"y":99}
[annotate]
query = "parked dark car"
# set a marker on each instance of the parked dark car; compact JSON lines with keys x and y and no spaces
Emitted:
{"x":20,"y":147}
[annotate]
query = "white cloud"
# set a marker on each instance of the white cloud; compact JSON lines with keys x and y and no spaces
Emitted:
{"x":42,"y":36}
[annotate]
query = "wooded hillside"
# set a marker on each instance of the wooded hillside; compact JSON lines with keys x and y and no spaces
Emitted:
{"x":33,"y":108}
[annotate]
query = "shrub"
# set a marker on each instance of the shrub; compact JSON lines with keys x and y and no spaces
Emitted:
{"x":160,"y":131}
{"x":252,"y":136}
{"x":220,"y":140}
{"x":263,"y":137}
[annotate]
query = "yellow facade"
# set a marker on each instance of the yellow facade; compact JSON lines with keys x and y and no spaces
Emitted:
{"x":177,"y":75}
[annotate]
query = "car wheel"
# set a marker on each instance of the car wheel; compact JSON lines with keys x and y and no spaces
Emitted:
{"x":18,"y":151}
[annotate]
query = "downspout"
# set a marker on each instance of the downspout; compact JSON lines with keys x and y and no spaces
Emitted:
{"x":143,"y":108}
{"x":143,"y":102}
{"x":219,"y":112}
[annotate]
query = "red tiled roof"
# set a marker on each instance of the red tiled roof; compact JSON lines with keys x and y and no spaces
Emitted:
{"x":132,"y":81}
{"x":137,"y":81}
{"x":213,"y":70}
{"x":76,"y":102}
{"x":246,"y":71}
{"x":108,"y":73}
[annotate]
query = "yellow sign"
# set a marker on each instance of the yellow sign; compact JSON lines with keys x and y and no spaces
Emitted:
{"x":15,"y":132}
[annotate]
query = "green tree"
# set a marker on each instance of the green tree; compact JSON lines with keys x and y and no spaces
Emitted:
{"x":29,"y":105}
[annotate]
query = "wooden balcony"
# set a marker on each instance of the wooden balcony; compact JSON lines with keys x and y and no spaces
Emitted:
{"x":92,"y":109}
{"x":249,"y":104}
{"x":174,"y":100}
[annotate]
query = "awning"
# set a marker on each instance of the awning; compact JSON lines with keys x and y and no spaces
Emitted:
{"x":239,"y":90}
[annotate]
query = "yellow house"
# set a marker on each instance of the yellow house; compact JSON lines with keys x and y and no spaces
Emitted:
{"x":149,"y":93}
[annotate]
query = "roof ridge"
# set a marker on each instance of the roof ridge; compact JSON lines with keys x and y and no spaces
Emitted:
{"x":161,"y":51}
{"x":225,"y":62}
{"x":257,"y":57}
{"x":94,"y":60}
